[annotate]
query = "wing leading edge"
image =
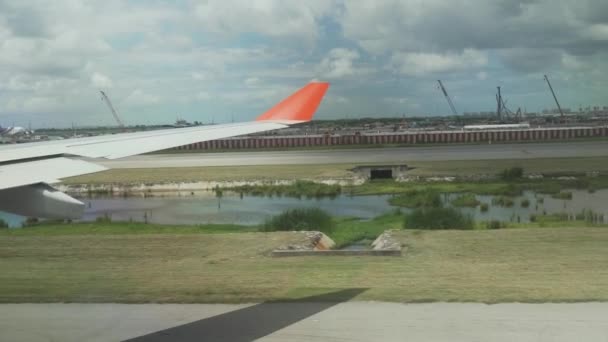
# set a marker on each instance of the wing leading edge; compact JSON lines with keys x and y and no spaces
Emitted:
{"x":24,"y":180}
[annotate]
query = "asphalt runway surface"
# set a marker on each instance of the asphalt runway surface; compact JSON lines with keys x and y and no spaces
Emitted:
{"x":370,"y":155}
{"x":305,"y":321}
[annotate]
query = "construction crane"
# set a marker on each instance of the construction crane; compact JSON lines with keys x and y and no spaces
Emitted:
{"x":503,"y":113}
{"x":561,"y":113}
{"x":499,"y":105}
{"x":445,"y":93}
{"x":106,"y":99}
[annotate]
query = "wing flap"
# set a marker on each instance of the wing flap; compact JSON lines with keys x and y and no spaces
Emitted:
{"x":44,"y":171}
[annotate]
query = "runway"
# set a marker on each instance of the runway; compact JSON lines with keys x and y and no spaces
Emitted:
{"x":372,"y":155}
{"x":299,"y":322}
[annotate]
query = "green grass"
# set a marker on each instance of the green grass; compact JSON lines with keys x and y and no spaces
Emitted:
{"x":458,"y":168}
{"x":552,"y":223}
{"x":343,"y":230}
{"x":551,"y":166}
{"x":480,"y":187}
{"x":301,"y":219}
{"x":465,"y":200}
{"x":417,"y":198}
{"x":350,"y":230}
{"x":215,"y":173}
{"x":504,"y":265}
{"x":566,"y":195}
{"x":122,"y":228}
{"x":438,"y":218}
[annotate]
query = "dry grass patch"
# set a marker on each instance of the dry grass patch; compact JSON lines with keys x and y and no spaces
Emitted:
{"x":216,"y":173}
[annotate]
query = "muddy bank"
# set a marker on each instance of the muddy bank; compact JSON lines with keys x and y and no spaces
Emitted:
{"x":182,"y":188}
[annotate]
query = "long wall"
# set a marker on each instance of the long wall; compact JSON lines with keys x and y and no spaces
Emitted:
{"x":430,"y":137}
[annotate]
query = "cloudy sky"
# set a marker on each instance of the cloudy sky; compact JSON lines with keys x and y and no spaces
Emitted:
{"x":223,"y":60}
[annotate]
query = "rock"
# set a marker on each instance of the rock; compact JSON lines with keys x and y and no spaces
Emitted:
{"x":386,"y":242}
{"x":322,"y":242}
{"x":311,"y":240}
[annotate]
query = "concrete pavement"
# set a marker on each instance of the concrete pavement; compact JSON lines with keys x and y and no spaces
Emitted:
{"x":371,"y":155}
{"x":350,"y":321}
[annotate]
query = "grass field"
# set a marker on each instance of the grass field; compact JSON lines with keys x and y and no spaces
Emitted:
{"x":216,"y":173}
{"x":480,"y":187}
{"x":349,"y":230}
{"x":528,"y":265}
{"x":339,"y":171}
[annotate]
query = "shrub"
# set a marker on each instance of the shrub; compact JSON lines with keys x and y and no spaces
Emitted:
{"x":30,"y":221}
{"x":495,"y":224}
{"x":503,"y":201}
{"x":525,"y":203}
{"x":511,"y":189}
{"x":484,"y":207}
{"x":106,"y":218}
{"x":300,"y":219}
{"x":566,"y":195}
{"x":465,"y":200}
{"x":298,"y":189}
{"x":417,"y":199}
{"x":438,"y":218}
{"x":512,"y":173}
{"x":3,"y":224}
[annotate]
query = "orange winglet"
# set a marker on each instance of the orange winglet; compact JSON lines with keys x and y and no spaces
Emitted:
{"x":298,"y":107}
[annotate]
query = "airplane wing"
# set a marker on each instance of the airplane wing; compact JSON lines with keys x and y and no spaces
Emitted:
{"x":26,"y":170}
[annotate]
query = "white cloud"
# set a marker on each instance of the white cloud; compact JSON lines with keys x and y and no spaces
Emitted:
{"x":162,"y":57}
{"x":418,"y":64}
{"x":398,"y":100}
{"x":203,"y":96}
{"x":336,"y":99}
{"x":252,"y":81}
{"x":438,"y":26}
{"x":338,"y":63}
{"x":402,"y":103}
{"x":598,"y":32}
{"x":274,"y":18}
{"x":529,"y":60}
{"x":570,"y":62}
{"x":138,"y":98}
{"x":200,"y":76}
{"x":99,"y":80}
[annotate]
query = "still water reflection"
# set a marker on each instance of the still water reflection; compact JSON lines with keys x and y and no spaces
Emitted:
{"x":250,"y":210}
